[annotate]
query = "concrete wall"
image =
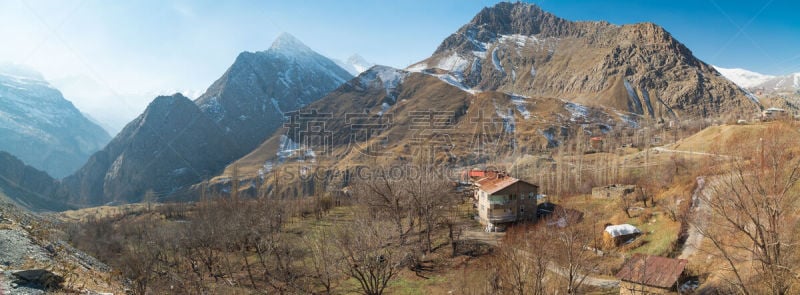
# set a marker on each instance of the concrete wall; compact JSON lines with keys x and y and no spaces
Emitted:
{"x":628,"y":288}
{"x":613,"y":191}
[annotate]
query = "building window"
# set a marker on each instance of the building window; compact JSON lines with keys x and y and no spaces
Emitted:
{"x":521,"y":209}
{"x":530,"y":196}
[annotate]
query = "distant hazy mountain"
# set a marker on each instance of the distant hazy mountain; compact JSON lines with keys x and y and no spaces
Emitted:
{"x":765,"y":83}
{"x":42,"y":128}
{"x":744,"y":78}
{"x":111,"y":108}
{"x":176,"y":142}
{"x":355,"y":64}
{"x":29,"y":187}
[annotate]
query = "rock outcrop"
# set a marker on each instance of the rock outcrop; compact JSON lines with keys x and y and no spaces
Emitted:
{"x":638,"y":68}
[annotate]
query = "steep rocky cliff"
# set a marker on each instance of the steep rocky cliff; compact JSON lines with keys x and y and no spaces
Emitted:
{"x":638,"y":68}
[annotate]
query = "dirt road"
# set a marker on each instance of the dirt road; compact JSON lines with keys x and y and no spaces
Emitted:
{"x":700,"y":215}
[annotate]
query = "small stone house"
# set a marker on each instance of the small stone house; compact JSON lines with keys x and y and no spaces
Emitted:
{"x":596,"y":143}
{"x":774,"y":114}
{"x":646,"y":274}
{"x":613,"y":191}
{"x":615,"y":235}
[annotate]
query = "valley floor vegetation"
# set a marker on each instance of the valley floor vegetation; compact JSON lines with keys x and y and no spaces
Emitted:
{"x":419,"y":236}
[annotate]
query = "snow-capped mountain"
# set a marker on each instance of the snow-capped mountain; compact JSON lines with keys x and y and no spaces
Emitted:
{"x":787,"y":83}
{"x":766,"y":83}
{"x":42,"y":128}
{"x":638,"y":68}
{"x":355,"y":64}
{"x":250,"y":99}
{"x":742,"y":77}
{"x":177,"y":142}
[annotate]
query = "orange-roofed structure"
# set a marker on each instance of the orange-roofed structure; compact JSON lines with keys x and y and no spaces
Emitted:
{"x":502,"y":199}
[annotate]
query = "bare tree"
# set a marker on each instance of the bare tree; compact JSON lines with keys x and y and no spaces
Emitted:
{"x":370,"y":254}
{"x":753,"y":204}
{"x":521,"y":262}
{"x":386,"y":195}
{"x":569,"y":247}
{"x":432,"y":199}
{"x":323,"y":259}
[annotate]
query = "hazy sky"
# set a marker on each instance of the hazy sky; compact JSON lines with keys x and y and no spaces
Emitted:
{"x":133,"y":50}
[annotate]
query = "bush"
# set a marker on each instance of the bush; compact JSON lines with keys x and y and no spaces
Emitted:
{"x":645,"y":216}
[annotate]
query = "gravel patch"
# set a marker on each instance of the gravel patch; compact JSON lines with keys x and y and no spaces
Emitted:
{"x":17,"y":248}
{"x":8,"y":287}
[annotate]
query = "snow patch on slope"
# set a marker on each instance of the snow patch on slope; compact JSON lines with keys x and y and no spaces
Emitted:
{"x":418,"y":67}
{"x":752,"y":97}
{"x":450,"y":79}
{"x":496,"y":61}
{"x":519,"y":102}
{"x":577,"y":111}
{"x":796,"y":80}
{"x":453,"y":63}
{"x":389,"y":78}
{"x":633,"y":96}
{"x":519,"y":40}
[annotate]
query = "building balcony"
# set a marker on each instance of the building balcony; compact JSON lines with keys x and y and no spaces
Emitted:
{"x":498,"y":218}
{"x":501,"y":206}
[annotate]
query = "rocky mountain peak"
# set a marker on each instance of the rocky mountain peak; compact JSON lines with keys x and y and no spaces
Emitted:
{"x":286,"y":43}
{"x":506,"y":19}
{"x":177,"y":142}
{"x":639,"y":68}
{"x":357,"y":59}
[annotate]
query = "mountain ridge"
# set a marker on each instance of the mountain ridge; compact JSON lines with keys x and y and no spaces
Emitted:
{"x":41,"y":127}
{"x":637,"y":68}
{"x":177,"y":142}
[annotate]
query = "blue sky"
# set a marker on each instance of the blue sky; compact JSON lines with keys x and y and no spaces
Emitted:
{"x":137,"y":48}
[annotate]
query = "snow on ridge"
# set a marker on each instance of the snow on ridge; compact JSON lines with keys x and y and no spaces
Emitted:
{"x":384,"y":107}
{"x":629,"y":119}
{"x":519,"y":40}
{"x":576,"y":111}
{"x":509,"y":124}
{"x":450,"y":79}
{"x":470,"y":35}
{"x":519,"y":102}
{"x":389,"y":77}
{"x":289,"y":148}
{"x":796,"y":80}
{"x":750,"y":96}
{"x":453,"y":63}
{"x":417,"y":67}
{"x":742,"y":77}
